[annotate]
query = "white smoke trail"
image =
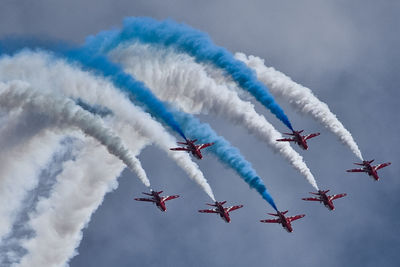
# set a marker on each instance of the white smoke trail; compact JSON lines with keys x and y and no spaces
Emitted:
{"x":58,"y":220}
{"x":96,"y":92}
{"x":20,"y":165}
{"x":47,"y":73}
{"x":301,"y":98}
{"x":64,"y":112}
{"x":177,"y":78}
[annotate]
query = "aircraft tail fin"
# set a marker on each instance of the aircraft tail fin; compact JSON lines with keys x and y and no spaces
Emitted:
{"x":288,"y":133}
{"x":362,"y":164}
{"x":216,"y":203}
{"x":181,"y":143}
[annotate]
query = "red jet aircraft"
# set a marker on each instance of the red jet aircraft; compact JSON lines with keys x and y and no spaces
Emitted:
{"x":285,"y":221}
{"x":223,"y":212}
{"x":192,"y":148}
{"x":368,"y":168}
{"x":325,"y":199}
{"x":157,"y":199}
{"x":301,"y":140}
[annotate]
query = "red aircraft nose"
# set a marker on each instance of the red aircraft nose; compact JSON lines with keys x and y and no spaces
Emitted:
{"x":305,"y":146}
{"x":162,"y":207}
{"x":375,"y":176}
{"x":227,"y":219}
{"x":289,"y":229}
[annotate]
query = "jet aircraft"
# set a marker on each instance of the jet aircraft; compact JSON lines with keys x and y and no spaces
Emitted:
{"x":219,"y":209}
{"x":191,"y":147}
{"x":370,"y":169}
{"x":301,"y":140}
{"x":285,"y":221}
{"x":157,"y":199}
{"x":324,"y":198}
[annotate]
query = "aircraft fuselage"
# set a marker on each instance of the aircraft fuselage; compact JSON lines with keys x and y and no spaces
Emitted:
{"x":285,"y":223}
{"x":161,"y":206}
{"x":159,"y":203}
{"x":195,"y":151}
{"x":223,"y":214}
{"x":301,"y":141}
{"x":371,"y":171}
{"x":328,"y":203}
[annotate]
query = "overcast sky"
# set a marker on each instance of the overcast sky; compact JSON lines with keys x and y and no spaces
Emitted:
{"x":347,"y":53}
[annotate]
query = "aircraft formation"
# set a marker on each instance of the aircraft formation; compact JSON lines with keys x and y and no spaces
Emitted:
{"x":223,"y":212}
{"x":104,"y":90}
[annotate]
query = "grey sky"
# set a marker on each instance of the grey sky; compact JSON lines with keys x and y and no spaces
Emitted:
{"x":347,"y":53}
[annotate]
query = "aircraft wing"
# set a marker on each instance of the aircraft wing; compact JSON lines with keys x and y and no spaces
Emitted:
{"x":208,"y":211}
{"x":169,"y":197}
{"x":229,"y":209}
{"x":311,"y":199}
{"x":271,"y":221}
{"x":145,"y":199}
{"x":380,"y":166}
{"x":293,"y":218}
{"x":179,"y":149}
{"x":311,"y":136}
{"x":337,"y":196}
{"x":285,"y":139}
{"x":356,"y":170}
{"x":205,"y":145}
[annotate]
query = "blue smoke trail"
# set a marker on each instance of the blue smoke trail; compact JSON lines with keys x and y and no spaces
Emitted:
{"x":225,"y":152}
{"x":88,"y":57}
{"x":222,"y":149}
{"x":138,"y":92}
{"x":197,"y":44}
